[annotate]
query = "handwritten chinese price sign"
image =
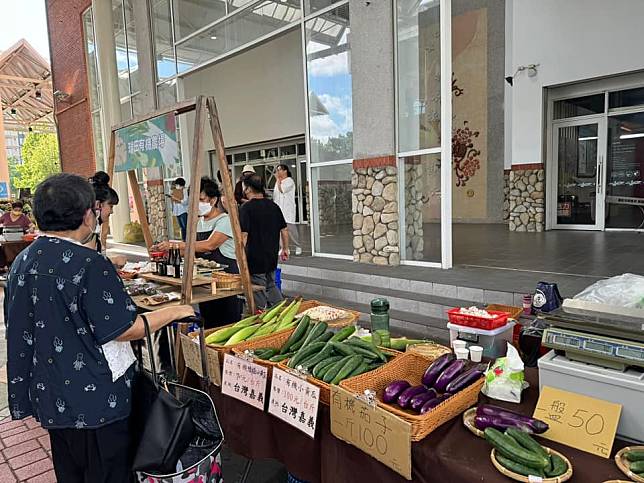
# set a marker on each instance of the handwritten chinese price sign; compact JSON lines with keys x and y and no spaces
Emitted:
{"x":582,"y":422}
{"x":295,"y":401}
{"x":245,"y":381}
{"x":372,"y":429}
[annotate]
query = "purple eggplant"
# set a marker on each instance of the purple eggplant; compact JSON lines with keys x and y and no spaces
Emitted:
{"x":432,"y":403}
{"x":449,"y":374}
{"x":435,"y":369}
{"x":405,"y":398}
{"x":419,"y":400}
{"x":393,"y":390}
{"x":485,"y":421}
{"x":536,"y":425}
{"x":465,"y":379}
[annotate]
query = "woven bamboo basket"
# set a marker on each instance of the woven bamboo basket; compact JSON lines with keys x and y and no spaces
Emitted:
{"x":274,"y":341}
{"x":192,"y":355}
{"x":515,"y":312}
{"x":623,"y":464}
{"x":468,"y":420}
{"x":225,"y":281}
{"x":411,"y":367}
{"x":334,"y":324}
{"x":228,"y":349}
{"x":517,"y":477}
{"x":325,"y":388}
{"x":429,"y":350}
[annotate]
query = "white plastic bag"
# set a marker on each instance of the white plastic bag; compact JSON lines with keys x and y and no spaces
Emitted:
{"x":625,"y":290}
{"x":505,"y":379}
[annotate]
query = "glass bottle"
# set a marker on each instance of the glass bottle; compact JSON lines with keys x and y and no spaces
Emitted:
{"x":177,"y":261}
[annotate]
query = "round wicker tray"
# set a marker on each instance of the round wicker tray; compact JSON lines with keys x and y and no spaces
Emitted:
{"x":431,"y":350}
{"x":468,"y":421}
{"x":517,"y":477}
{"x":623,"y":464}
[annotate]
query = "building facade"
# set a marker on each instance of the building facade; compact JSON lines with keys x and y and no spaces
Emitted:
{"x":364,"y":100}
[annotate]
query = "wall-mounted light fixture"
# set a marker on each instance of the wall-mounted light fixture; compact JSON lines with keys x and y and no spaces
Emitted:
{"x":531,"y":68}
{"x":13,"y":111}
{"x":61,"y":96}
{"x":38,"y":95}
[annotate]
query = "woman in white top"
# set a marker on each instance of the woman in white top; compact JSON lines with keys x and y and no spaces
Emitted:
{"x":179,"y":199}
{"x":214,"y":242}
{"x":284,"y":197}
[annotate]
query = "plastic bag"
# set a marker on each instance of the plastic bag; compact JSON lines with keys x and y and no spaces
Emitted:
{"x":505,"y":379}
{"x":625,"y":290}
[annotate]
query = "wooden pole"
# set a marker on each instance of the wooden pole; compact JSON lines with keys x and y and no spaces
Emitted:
{"x":140,"y":209}
{"x":233,"y":212}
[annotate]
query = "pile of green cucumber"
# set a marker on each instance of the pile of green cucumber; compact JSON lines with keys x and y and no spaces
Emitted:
{"x":636,"y":461}
{"x":278,"y":318}
{"x":327,"y":356}
{"x":518,"y":452}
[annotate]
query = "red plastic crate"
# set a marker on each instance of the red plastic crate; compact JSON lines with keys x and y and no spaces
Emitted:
{"x":478,"y":322}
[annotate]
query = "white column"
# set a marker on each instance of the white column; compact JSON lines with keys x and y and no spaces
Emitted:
{"x":446,"y":132}
{"x":4,"y":162}
{"x":111,"y":105}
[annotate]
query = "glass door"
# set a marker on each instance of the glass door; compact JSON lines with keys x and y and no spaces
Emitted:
{"x":579,"y":148}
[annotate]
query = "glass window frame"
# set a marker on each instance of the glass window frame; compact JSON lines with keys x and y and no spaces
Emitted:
{"x":444,"y":148}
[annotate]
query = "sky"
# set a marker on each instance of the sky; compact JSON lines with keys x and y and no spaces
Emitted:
{"x":24,"y":19}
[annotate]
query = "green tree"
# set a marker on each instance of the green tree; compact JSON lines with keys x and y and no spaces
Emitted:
{"x":40,"y":160}
{"x":13,"y":174}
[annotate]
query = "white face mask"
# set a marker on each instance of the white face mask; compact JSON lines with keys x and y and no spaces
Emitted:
{"x":204,"y":208}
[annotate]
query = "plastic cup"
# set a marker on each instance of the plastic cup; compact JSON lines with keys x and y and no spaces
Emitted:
{"x":462,"y":353}
{"x":476,"y":353}
{"x":459,"y":344}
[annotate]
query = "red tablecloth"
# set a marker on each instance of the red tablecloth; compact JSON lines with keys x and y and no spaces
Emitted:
{"x":449,"y":454}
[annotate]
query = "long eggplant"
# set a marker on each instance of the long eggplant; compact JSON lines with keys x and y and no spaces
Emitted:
{"x":432,"y":403}
{"x":536,"y":425}
{"x":419,"y":400}
{"x":449,"y":374}
{"x":393,"y":390}
{"x":435,"y":369}
{"x":405,"y":398}
{"x":465,"y":379}
{"x":484,"y":421}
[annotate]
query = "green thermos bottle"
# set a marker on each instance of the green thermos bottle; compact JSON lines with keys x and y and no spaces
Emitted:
{"x":380,"y":322}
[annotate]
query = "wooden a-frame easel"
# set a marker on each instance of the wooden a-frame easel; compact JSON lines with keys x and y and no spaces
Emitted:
{"x":200,"y":105}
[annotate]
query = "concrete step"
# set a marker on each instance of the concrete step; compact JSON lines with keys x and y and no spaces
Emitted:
{"x":418,"y":290}
{"x":409,"y":324}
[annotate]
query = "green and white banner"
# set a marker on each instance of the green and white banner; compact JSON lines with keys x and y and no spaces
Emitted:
{"x":147,"y":144}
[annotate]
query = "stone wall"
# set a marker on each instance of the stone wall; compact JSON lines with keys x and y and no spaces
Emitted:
{"x":506,"y":195}
{"x":526,"y":197}
{"x":374,"y":205}
{"x":156,"y":212}
{"x":414,"y":240}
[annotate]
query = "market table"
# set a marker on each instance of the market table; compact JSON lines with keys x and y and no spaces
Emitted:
{"x":449,"y":454}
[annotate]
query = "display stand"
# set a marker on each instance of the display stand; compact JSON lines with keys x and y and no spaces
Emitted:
{"x":200,"y":105}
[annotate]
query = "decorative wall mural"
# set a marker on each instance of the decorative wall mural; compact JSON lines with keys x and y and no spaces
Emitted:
{"x":465,"y":157}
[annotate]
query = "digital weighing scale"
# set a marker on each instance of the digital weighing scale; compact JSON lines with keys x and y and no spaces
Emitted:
{"x":615,"y":341}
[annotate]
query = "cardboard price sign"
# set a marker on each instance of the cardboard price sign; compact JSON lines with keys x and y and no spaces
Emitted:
{"x":372,"y":429}
{"x":295,"y":401}
{"x":582,"y":422}
{"x":245,"y":381}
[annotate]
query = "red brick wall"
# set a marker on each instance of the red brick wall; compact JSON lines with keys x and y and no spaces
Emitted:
{"x":64,"y":19}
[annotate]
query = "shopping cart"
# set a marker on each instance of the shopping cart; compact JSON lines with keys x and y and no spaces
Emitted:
{"x":201,"y":461}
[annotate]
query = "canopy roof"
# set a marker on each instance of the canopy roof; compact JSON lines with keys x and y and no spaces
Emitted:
{"x":26,"y":89}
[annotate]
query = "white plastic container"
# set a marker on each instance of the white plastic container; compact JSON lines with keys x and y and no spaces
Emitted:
{"x":462,"y":353}
{"x":476,"y":353}
{"x":494,"y":342}
{"x":625,"y":388}
{"x":459,"y":344}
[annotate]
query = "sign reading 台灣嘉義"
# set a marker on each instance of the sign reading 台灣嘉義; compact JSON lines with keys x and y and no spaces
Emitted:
{"x":147,"y":144}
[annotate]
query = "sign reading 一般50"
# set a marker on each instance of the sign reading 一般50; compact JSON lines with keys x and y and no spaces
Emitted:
{"x":147,"y":144}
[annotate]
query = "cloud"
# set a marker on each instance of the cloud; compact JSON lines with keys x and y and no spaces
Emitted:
{"x":329,"y":66}
{"x":323,"y":128}
{"x":339,"y":109}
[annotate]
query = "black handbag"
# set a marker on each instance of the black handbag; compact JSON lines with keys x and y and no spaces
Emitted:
{"x":160,"y":422}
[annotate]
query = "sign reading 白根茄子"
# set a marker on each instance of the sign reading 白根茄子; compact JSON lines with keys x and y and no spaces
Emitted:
{"x":147,"y":144}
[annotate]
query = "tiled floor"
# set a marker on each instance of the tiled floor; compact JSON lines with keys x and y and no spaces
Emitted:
{"x":601,"y":254}
{"x":25,"y":453}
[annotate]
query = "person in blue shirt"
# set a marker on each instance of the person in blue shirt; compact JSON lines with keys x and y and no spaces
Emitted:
{"x":68,"y":321}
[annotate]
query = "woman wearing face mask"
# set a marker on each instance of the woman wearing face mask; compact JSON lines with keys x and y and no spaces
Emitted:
{"x":16,"y":217}
{"x":214,"y":242}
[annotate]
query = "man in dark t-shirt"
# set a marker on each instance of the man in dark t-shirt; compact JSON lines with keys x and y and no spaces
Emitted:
{"x":262,"y":225}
